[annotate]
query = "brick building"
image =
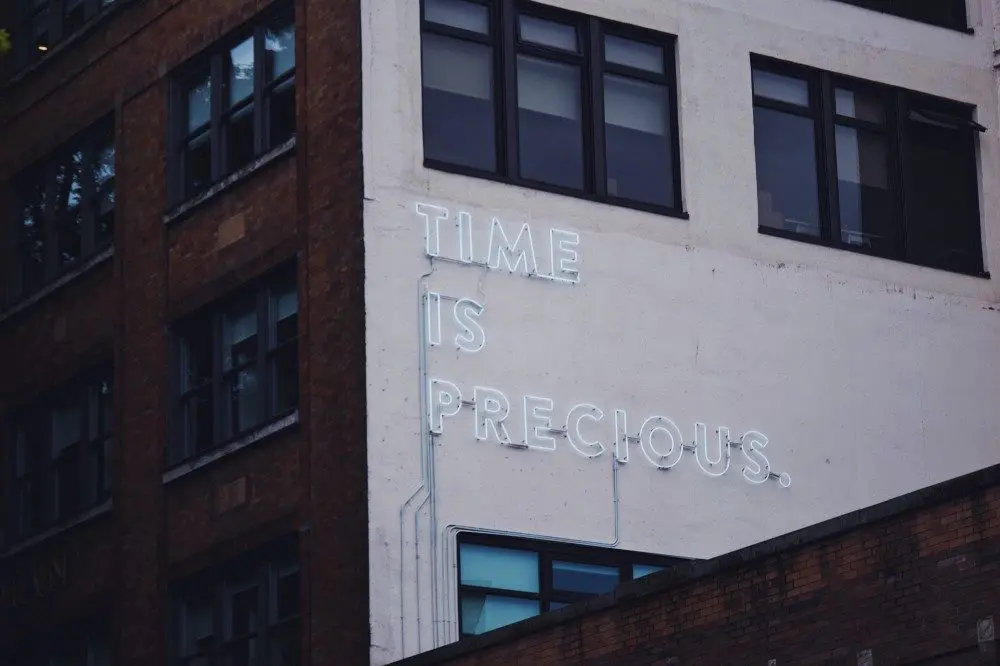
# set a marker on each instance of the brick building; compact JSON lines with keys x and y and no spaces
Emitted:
{"x":181,"y":333}
{"x":909,"y":581}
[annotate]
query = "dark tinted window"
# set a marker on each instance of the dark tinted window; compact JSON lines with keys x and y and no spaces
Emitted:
{"x":65,"y":210}
{"x":223,"y":122}
{"x":237,"y":365}
{"x":836,"y":163}
{"x":551,"y":100}
{"x":59,"y":455}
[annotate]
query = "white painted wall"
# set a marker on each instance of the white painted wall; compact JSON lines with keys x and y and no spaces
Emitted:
{"x":871,"y":378}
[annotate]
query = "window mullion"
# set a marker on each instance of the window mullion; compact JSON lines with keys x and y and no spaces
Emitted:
{"x":83,"y":446}
{"x":50,"y":251}
{"x":88,"y":224}
{"x":13,"y":249}
{"x":263,"y":342}
{"x":544,"y":580}
{"x":216,"y":90}
{"x":508,"y":87}
{"x":263,"y":600}
{"x":827,"y":151}
{"x":593,"y":63}
{"x":218,"y":410}
{"x":259,"y":140}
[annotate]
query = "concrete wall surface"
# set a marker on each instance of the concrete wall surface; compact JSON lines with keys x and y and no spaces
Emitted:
{"x":866,"y":378}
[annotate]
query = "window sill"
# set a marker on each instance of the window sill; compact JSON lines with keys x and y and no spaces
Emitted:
{"x":57,"y":284}
{"x":554,"y":189}
{"x":232,"y":447}
{"x":229,"y":182}
{"x":84,"y":517}
{"x":811,"y":240}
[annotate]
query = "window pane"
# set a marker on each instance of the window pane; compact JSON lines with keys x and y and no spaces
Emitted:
{"x":32,"y":239}
{"x":69,"y":213}
{"x":639,"y":55}
{"x":286,"y":595}
{"x":458,"y":14}
{"x":548,"y":33}
{"x":942,"y":207}
{"x":239,"y":139}
{"x":104,"y":191}
{"x":780,"y":88}
{"x":501,"y":568}
{"x":458,"y":109}
{"x":199,"y":421}
{"x":550,"y":130}
{"x":285,"y":309}
{"x":638,"y":141}
{"x":642,"y":570}
{"x":556,"y":605}
{"x":199,"y":102}
{"x":481,"y":613}
{"x":196,"y":357}
{"x":285,"y":378}
{"x":94,"y":474}
{"x":66,"y":495}
{"x":242,"y":609}
{"x":586,"y":578}
{"x":787,"y":190}
{"x":860,"y":105}
{"x":863,"y":185}
{"x":67,"y":426}
{"x":198,"y":163}
{"x":239,"y":334}
{"x":241,"y":71}
{"x":197,"y":626}
{"x":279,"y":47}
{"x":244,"y":401}
{"x":281,"y":113}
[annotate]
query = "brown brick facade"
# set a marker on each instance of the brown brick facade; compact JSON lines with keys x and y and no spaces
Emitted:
{"x":913,"y":581}
{"x":305,"y":205}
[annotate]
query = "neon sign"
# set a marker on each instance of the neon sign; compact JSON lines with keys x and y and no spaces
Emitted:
{"x":587,"y":429}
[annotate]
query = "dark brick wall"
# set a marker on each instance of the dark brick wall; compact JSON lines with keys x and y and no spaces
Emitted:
{"x":909,"y":581}
{"x":308,"y":480}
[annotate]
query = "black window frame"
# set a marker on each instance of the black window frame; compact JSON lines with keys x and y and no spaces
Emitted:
{"x":260,"y":290}
{"x":58,"y":28}
{"x":262,"y":567}
{"x":507,"y":45}
{"x":900,"y":106}
{"x":905,"y":9}
{"x":43,"y":174}
{"x":213,"y":61}
{"x":43,"y":471}
{"x":549,"y":552}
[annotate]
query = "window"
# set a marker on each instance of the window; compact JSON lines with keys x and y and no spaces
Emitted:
{"x":866,"y":167}
{"x":243,"y":614}
{"x":945,"y":13}
{"x":65,"y":210}
{"x":60,"y":461}
{"x":237,"y":366}
{"x":551,"y":100}
{"x":80,"y":647}
{"x":503,"y":580}
{"x":45,"y":23}
{"x":234,"y":103}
